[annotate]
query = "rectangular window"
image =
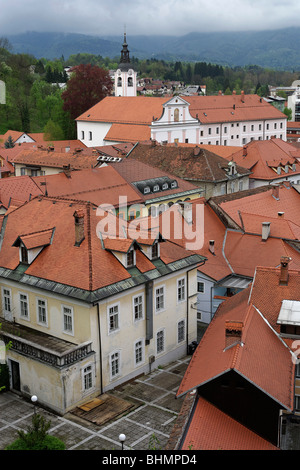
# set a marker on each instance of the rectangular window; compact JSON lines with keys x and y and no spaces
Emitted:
{"x":181,"y":331}
{"x":6,"y":300}
{"x":225,"y":130}
{"x":115,"y":364}
{"x":181,"y":290}
{"x":113,"y":318}
{"x":200,"y":285}
{"x":139,"y":352}
{"x":24,"y":309}
{"x":130,"y":259}
{"x":90,"y":135}
{"x":42,"y":311}
{"x":68,"y":319}
{"x":82,"y":135}
{"x":159,"y":299}
{"x":24,"y":255}
{"x":88,"y":378}
{"x":154,"y":251}
{"x":209,"y":131}
{"x":138,"y":307}
{"x":160,"y":341}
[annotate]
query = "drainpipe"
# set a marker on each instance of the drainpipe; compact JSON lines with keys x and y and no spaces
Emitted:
{"x":100,"y":349}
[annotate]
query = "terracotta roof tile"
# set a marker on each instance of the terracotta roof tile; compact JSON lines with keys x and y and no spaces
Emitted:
{"x":211,"y":429}
{"x":260,"y":356}
{"x":262,"y":155}
{"x":195,"y":163}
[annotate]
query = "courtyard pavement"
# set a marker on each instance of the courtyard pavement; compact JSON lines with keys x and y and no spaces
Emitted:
{"x":147,"y":426}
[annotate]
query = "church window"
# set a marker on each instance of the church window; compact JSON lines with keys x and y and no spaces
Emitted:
{"x":176,"y":115}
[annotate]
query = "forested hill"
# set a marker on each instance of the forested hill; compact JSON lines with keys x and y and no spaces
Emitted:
{"x":278,"y":49}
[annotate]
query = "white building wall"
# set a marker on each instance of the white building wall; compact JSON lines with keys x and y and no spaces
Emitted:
{"x":92,"y":134}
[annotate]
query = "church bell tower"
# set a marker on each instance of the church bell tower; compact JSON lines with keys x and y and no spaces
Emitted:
{"x":125,"y":75}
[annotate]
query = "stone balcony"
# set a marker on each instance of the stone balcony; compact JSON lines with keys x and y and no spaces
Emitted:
{"x":42,"y":347}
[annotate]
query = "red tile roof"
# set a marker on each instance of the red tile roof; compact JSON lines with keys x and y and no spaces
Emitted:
{"x":261,"y":156}
{"x":208,"y":109}
{"x":196,"y":163}
{"x":260,"y":356}
{"x":212,"y":429}
{"x":96,"y":267}
{"x":20,"y":188}
{"x":266,"y":201}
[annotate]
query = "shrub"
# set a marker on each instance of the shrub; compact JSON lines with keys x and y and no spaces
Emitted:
{"x":36,"y":437}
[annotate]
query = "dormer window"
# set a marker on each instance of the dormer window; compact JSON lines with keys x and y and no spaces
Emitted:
{"x":146,"y":190}
{"x":155,"y":188}
{"x":30,"y":245}
{"x":174,"y":184}
{"x":155,"y":251}
{"x":130,"y":259}
{"x":165,"y":186}
{"x":24,"y":254}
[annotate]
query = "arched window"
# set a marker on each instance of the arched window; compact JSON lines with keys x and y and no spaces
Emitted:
{"x":176,"y":115}
{"x":119,"y":81}
{"x":130,"y":82}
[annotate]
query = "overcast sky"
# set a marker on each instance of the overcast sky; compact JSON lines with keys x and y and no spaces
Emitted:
{"x":170,"y":17}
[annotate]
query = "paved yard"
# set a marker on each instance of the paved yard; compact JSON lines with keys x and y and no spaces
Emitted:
{"x":146,"y":426}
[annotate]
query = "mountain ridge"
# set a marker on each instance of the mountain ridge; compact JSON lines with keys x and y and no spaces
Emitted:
{"x":277,"y":49}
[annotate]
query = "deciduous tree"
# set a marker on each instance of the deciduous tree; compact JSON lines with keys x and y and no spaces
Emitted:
{"x":87,"y":86}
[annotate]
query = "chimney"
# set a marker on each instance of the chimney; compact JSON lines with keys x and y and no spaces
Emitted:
{"x":197,"y":151}
{"x":275,"y":192}
{"x":233,"y":332}
{"x":220,"y":92}
{"x":187,"y":211}
{"x":284,"y":270}
{"x":67,"y":170}
{"x":79,"y":226}
{"x":212,"y":246}
{"x":265,"y":231}
{"x":245,"y":151}
{"x":242,"y":96}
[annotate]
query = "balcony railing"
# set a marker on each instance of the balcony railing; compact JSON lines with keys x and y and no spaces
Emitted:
{"x":60,"y":354}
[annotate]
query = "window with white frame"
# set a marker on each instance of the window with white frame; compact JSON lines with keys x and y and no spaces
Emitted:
{"x":138,"y":307}
{"x":42,"y":311}
{"x":24,"y":307}
{"x":67,"y":319}
{"x":180,"y":331}
{"x":139,"y":352}
{"x":181,"y":290}
{"x":113,"y":318}
{"x":114,"y":364}
{"x":87,"y":376}
{"x":159,"y":299}
{"x":6,"y":296}
{"x":160,"y":341}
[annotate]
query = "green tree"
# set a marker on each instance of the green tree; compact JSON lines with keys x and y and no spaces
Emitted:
{"x":9,"y":144}
{"x":36,"y":437}
{"x":53,"y":131}
{"x":289,"y":113}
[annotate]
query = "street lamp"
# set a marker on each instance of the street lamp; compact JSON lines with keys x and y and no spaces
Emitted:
{"x":122,"y":438}
{"x":34,"y":400}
